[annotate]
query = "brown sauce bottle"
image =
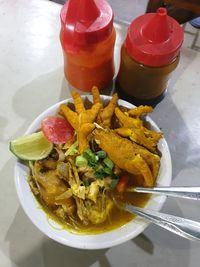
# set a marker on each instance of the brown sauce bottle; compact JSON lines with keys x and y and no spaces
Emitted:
{"x":149,"y":55}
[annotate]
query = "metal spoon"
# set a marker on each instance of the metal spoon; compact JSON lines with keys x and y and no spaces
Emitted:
{"x":186,"y":228}
{"x":182,"y":192}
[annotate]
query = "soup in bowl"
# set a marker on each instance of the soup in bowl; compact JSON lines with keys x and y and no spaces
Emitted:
{"x":75,"y":194}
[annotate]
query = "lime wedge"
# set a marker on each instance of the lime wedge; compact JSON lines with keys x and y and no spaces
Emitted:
{"x":31,"y":147}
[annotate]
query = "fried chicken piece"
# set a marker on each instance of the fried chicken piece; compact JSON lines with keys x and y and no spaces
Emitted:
{"x":50,"y":187}
{"x":98,"y":212}
{"x":94,"y":212}
{"x":96,"y":95}
{"x":141,"y":136}
{"x":105,"y":114}
{"x":133,"y":128}
{"x":138,"y":111}
{"x":84,"y":132}
{"x":129,"y":156}
{"x":126,"y":120}
{"x":81,"y":119}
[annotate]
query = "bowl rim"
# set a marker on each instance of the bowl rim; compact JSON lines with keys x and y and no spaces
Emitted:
{"x":91,"y":241}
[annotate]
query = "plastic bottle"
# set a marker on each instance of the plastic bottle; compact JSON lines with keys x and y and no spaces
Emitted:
{"x":88,"y":37}
{"x":149,"y":55}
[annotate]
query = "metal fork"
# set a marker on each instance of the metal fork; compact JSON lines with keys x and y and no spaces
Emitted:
{"x":183,"y":227}
{"x":189,"y":192}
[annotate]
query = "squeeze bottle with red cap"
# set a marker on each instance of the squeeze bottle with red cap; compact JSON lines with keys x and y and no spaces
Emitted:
{"x":149,"y":55}
{"x":88,"y":37}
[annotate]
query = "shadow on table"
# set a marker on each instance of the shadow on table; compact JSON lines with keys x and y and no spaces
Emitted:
{"x":53,"y":252}
{"x":29,"y":248}
{"x":144,"y":243}
{"x":66,"y":89}
{"x":164,"y":238}
{"x":3,"y":123}
{"x":162,"y":247}
{"x":36,"y":96}
{"x":184,"y":150}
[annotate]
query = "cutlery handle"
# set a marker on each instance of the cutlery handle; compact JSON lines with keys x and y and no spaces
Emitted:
{"x":180,"y":226}
{"x":182,"y":192}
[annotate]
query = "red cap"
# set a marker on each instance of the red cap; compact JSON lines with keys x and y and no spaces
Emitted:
{"x":85,"y":22}
{"x":154,"y":39}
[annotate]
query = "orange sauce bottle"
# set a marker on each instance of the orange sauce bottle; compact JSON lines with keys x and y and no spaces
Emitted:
{"x":87,"y":37}
{"x":149,"y":55}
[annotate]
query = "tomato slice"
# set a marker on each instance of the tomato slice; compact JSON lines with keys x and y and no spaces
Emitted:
{"x":57,"y":130}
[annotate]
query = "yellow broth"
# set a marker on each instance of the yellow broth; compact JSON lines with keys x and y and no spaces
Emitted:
{"x":117,"y":217}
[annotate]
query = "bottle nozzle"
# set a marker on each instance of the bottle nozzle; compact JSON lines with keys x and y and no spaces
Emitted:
{"x":83,"y":11}
{"x":161,"y":11}
{"x":88,"y":11}
{"x":158,"y":29}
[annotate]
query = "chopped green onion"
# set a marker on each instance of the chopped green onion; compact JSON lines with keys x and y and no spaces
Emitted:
{"x":114,"y":183}
{"x":114,"y":176}
{"x":107,"y":170}
{"x":108,"y":163}
{"x":81,"y":161}
{"x":91,"y":157}
{"x":101,"y":154}
{"x":115,"y":180}
{"x":99,"y":174}
{"x":102,"y":172}
{"x":86,"y":183}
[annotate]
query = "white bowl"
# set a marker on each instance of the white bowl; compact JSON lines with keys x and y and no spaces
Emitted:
{"x":97,"y":241}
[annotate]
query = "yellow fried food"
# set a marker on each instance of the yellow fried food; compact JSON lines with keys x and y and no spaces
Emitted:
{"x":79,"y":188}
{"x":80,"y":119}
{"x":141,"y":136}
{"x":126,"y":120}
{"x":138,"y":111}
{"x":133,"y":128}
{"x":96,"y":95}
{"x":84,"y":131}
{"x":78,"y":102}
{"x":129,"y":156}
{"x":51,"y":188}
{"x":105,"y":114}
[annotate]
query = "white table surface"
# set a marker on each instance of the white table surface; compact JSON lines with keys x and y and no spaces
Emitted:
{"x":31,"y":79}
